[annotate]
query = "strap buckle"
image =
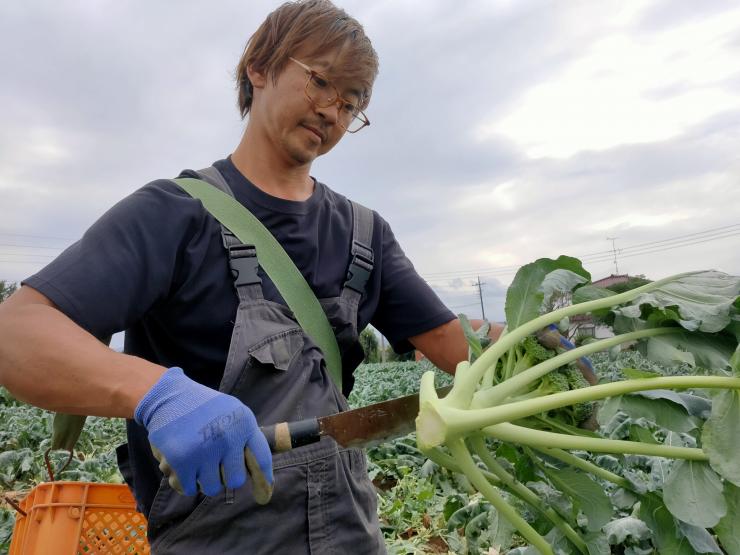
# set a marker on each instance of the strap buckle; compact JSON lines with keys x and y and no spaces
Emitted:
{"x":360,"y":268}
{"x":243,"y":263}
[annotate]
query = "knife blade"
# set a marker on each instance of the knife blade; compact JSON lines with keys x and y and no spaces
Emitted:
{"x":361,"y":427}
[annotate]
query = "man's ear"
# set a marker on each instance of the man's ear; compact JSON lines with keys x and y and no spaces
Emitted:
{"x":257,"y":78}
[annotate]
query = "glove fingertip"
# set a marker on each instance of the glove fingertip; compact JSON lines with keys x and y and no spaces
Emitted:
{"x":260,"y":450}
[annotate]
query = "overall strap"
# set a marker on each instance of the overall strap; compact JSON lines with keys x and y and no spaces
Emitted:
{"x":361,"y":264}
{"x":276,"y":263}
{"x":242,"y":258}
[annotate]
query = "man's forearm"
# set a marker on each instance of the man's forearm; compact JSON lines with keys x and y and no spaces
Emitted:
{"x":446,"y":345}
{"x":48,"y":361}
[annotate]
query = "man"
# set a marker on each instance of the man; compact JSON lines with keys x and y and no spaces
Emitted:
{"x":204,"y":363}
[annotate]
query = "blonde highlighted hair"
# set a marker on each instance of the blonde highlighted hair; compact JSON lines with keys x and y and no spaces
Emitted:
{"x":311,"y":27}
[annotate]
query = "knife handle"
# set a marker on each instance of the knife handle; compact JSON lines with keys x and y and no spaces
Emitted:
{"x":284,"y":436}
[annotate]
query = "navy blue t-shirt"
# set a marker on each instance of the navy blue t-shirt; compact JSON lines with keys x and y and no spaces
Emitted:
{"x":154,"y":266}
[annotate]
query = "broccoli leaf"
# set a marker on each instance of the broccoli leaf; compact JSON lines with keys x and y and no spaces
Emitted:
{"x":728,"y":529}
{"x":586,"y":494}
{"x":703,"y":300}
{"x":721,"y":435}
{"x":693,"y":493}
{"x":665,"y":413}
{"x":666,"y":536}
{"x":696,"y":349}
{"x":524,"y":296}
{"x":619,"y":530}
{"x":560,"y":280}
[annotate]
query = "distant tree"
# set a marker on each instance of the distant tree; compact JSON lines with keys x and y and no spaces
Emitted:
{"x":369,"y":342}
{"x":6,"y":289}
{"x":393,"y":356}
{"x":632,"y":283}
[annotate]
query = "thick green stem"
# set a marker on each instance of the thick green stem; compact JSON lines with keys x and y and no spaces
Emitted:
{"x":496,"y":395}
{"x":586,"y":466}
{"x":490,"y":375}
{"x":476,"y":477}
{"x":445,"y":461}
{"x":526,"y":494}
{"x":460,"y":422}
{"x":541,"y":439}
{"x":478,"y":368}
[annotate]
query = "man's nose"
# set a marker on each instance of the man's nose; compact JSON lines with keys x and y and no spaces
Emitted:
{"x":329,"y":113}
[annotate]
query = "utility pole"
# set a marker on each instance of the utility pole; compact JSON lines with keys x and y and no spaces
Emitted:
{"x":614,"y":250}
{"x":480,"y":285}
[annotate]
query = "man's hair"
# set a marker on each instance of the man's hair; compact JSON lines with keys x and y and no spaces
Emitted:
{"x":312,"y":27}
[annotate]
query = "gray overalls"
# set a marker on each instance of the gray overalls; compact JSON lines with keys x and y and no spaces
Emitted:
{"x":323,"y":502}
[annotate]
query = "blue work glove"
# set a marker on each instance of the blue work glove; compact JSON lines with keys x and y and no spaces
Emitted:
{"x":204,"y":438}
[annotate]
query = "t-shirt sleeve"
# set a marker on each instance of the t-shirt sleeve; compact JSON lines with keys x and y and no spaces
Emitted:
{"x":407,"y":306}
{"x":126,"y":263}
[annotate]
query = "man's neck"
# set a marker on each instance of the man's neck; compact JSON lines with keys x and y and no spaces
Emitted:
{"x":259,"y":163}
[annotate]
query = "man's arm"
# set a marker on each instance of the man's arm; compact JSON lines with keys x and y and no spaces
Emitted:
{"x":49,"y":361}
{"x":445,"y":345}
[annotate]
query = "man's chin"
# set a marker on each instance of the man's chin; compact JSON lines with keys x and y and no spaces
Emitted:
{"x":303,"y":155}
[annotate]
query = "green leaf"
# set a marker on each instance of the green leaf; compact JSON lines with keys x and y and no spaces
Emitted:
{"x":721,"y":435}
{"x":597,"y":544}
{"x":586,"y":494}
{"x":696,"y":349}
{"x":619,"y":530}
{"x":701,"y":540}
{"x":524,"y":296}
{"x":662,"y":412}
{"x":643,"y":435}
{"x":635,"y":374}
{"x":728,"y":529}
{"x":694,"y":405}
{"x":560,"y":280}
{"x":693,"y":493}
{"x":592,"y":293}
{"x":735,"y":361}
{"x":471,"y":337}
{"x":704,"y":300}
{"x":659,"y":519}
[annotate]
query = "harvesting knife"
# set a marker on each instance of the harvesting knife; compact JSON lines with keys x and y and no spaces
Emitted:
{"x":362,"y":427}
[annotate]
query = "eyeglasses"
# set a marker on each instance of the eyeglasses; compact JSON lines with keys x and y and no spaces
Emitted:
{"x":322,"y":93}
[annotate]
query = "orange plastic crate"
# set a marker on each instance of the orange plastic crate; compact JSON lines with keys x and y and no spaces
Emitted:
{"x":71,"y":518}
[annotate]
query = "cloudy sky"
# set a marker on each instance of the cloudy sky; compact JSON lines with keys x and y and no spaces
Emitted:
{"x":502,"y":131}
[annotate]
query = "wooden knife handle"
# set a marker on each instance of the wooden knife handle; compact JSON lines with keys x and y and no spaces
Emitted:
{"x":288,"y":435}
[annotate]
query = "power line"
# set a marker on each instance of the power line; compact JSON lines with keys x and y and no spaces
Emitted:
{"x":599,"y":254}
{"x":634,"y":250}
{"x":31,"y":247}
{"x":2,"y":233}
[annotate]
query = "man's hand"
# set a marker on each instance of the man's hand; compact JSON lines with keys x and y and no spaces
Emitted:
{"x":204,"y":438}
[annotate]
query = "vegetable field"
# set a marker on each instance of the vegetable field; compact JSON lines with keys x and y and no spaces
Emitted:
{"x":424,"y":508}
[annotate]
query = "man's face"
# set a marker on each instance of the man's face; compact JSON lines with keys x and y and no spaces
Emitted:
{"x":294,"y":125}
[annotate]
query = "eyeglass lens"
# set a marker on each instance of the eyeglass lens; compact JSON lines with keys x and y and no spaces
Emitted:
{"x":324,"y":94}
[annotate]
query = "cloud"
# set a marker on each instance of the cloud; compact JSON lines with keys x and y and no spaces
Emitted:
{"x":628,"y":88}
{"x":501,"y":131}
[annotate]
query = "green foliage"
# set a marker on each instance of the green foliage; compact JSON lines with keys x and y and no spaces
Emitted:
{"x":369,"y":342}
{"x":685,"y":323}
{"x":393,"y":356}
{"x":632,"y":283}
{"x":7,"y":288}
{"x":25,"y":434}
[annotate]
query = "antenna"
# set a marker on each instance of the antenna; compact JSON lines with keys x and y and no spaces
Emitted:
{"x":480,"y":285}
{"x":614,"y":250}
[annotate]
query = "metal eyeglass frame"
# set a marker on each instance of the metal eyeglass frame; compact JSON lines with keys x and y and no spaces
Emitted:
{"x":337,"y":100}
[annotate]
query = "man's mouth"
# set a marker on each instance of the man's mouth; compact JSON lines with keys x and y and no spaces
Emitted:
{"x":316,"y":132}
